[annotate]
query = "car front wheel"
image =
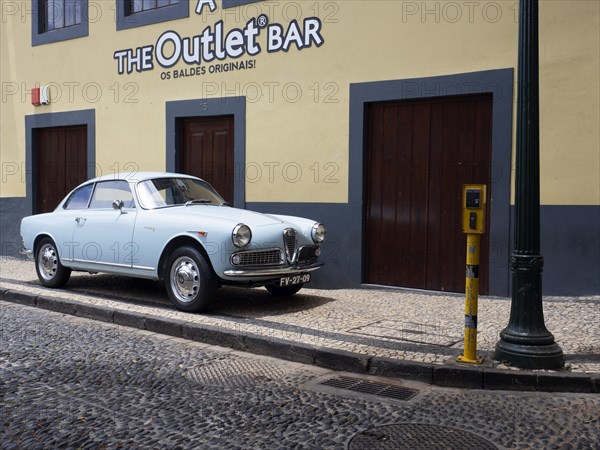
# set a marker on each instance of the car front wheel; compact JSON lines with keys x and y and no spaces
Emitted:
{"x":283,"y":291}
{"x":50,"y":271}
{"x":190,"y":283}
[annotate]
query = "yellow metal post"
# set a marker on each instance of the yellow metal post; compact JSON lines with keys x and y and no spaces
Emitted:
{"x":474,"y":206}
{"x":472,"y":293}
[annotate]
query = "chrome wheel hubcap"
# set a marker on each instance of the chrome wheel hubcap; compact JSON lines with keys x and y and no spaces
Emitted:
{"x":185,"y":279}
{"x":47,"y":262}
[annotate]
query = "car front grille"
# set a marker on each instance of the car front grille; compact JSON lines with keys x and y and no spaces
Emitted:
{"x":308,"y":254}
{"x":289,"y":243}
{"x":257,"y":258}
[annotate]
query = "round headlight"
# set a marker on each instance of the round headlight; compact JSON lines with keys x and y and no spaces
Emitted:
{"x":318,"y":232}
{"x":241,"y":235}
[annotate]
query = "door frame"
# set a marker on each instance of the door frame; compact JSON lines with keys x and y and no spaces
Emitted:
{"x":499,"y":83}
{"x":226,"y":106}
{"x":85,"y":117}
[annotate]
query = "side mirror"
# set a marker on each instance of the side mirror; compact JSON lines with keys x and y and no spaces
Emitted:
{"x":118,"y":205}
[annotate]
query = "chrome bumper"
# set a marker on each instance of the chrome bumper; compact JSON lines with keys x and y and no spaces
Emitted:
{"x":276,"y":272}
{"x":26,"y":252}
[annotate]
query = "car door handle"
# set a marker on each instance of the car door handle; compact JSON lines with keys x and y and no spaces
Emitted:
{"x":80,"y":220}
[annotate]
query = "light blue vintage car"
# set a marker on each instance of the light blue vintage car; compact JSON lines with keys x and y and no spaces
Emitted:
{"x":171,"y":227}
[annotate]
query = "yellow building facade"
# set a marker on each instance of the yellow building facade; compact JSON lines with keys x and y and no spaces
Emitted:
{"x":365,"y":115}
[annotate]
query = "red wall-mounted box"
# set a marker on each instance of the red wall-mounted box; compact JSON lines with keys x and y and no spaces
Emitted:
{"x":35,"y":96}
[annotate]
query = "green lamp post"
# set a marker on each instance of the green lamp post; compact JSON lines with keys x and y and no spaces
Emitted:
{"x":525,"y":342}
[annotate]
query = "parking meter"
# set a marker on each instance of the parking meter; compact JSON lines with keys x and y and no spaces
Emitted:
{"x":474,"y":204}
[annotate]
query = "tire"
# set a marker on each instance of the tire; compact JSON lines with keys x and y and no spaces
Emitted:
{"x":189,"y":281}
{"x":48,"y":267}
{"x":283,"y":291}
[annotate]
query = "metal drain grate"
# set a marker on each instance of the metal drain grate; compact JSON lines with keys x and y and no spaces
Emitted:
{"x":418,"y":436}
{"x":371,"y":387}
{"x":234,"y":373}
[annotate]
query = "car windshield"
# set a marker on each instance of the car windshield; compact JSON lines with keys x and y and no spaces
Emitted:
{"x":164,"y":192}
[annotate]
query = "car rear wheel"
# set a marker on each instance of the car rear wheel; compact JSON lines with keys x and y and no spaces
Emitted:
{"x":283,"y":291}
{"x":190,"y":283}
{"x":50,"y":271}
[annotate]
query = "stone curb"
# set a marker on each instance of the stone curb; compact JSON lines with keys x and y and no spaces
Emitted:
{"x":458,"y":376}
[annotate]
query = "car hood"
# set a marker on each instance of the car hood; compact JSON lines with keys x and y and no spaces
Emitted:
{"x":223,"y":213}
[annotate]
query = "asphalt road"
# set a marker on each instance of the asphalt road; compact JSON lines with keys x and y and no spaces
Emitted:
{"x":67,"y":382}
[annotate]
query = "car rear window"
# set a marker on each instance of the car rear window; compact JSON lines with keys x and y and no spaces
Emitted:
{"x":80,"y":198}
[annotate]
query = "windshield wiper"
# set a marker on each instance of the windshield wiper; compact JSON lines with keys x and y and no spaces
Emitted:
{"x":198,"y":201}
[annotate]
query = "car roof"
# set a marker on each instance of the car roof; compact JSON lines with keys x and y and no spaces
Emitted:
{"x":134,"y":177}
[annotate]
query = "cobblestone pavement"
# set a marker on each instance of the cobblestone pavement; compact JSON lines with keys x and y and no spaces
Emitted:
{"x":68,"y":382}
{"x":413,"y":326}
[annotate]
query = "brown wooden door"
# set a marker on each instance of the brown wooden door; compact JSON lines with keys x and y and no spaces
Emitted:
{"x":61,"y":154}
{"x":206,"y":151}
{"x":418,"y":154}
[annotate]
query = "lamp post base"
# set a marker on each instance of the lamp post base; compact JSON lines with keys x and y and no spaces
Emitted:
{"x":525,"y":342}
{"x":529,"y":355}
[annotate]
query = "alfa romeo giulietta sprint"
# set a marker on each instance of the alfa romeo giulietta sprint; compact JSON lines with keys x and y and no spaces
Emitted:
{"x":175,"y":228}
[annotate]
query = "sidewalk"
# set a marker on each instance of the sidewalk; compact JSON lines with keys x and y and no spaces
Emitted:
{"x":376,"y":331}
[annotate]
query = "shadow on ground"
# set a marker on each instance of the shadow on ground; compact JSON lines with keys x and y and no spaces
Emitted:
{"x":254,"y":302}
{"x":258,"y":302}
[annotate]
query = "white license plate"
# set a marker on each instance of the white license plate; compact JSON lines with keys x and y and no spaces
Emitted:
{"x":294,"y":279}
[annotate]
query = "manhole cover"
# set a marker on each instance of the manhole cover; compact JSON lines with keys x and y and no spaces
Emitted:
{"x":418,"y":436}
{"x":371,"y":387}
{"x":234,"y":373}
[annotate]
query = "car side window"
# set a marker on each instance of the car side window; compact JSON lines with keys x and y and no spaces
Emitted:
{"x":108,"y":191}
{"x":80,"y":198}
